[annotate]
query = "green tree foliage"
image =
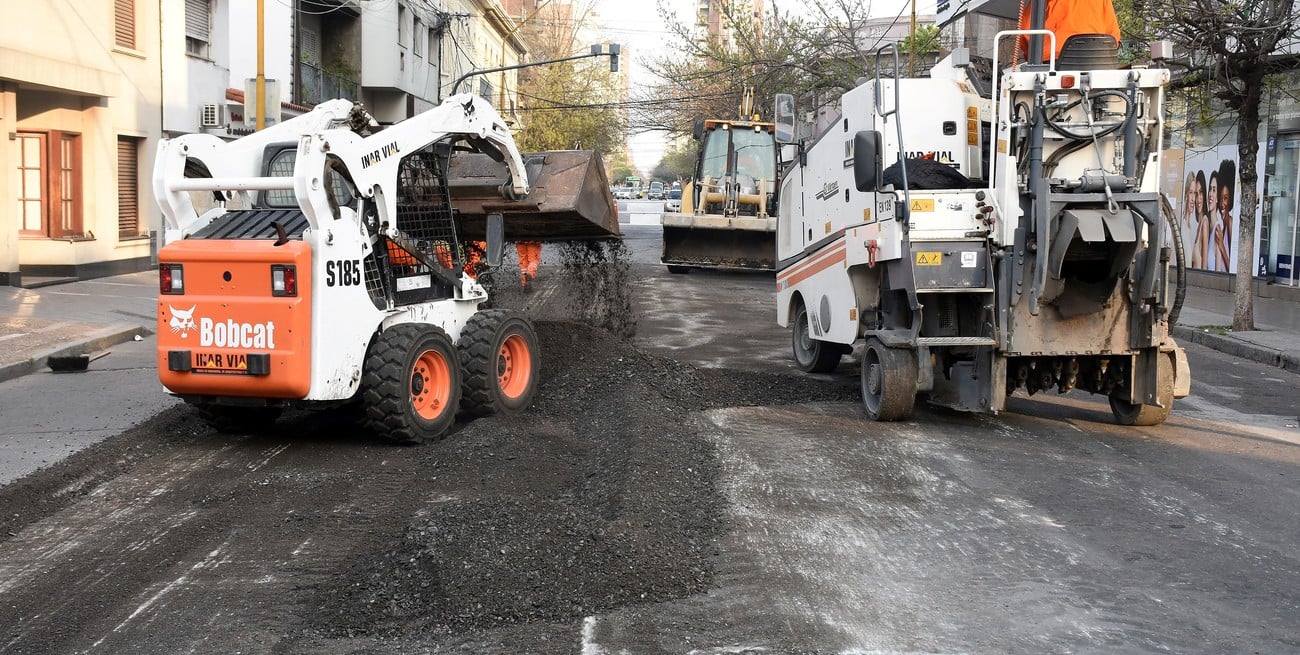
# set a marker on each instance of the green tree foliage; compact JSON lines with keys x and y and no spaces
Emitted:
{"x":924,"y":40}
{"x":678,"y":162}
{"x":568,"y":105}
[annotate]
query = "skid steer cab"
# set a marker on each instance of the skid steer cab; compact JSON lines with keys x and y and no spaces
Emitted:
{"x":318,"y":263}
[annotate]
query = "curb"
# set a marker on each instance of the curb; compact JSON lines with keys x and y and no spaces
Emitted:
{"x":1237,"y":348}
{"x":97,"y":340}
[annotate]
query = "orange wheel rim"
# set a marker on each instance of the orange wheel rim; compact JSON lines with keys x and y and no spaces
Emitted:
{"x":430,"y":385}
{"x":514,"y":366}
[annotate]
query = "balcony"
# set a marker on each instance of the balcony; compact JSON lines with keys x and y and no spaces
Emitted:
{"x":316,"y":85}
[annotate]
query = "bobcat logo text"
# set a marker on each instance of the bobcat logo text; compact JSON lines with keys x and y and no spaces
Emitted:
{"x":222,"y":334}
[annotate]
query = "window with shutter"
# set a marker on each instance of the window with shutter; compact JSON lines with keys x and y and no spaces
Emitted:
{"x":124,"y":23}
{"x":128,"y":187}
{"x":198,"y":27}
{"x":310,"y":44}
{"x":49,"y":170}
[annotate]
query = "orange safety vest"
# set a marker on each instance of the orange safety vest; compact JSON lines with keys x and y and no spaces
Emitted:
{"x":1065,"y":18}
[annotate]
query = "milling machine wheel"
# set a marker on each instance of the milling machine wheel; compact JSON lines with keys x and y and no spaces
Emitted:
{"x":1127,"y":413}
{"x":678,"y":270}
{"x":410,"y":386}
{"x":234,"y":419}
{"x":888,"y":381}
{"x":498,"y":354}
{"x":812,"y":355}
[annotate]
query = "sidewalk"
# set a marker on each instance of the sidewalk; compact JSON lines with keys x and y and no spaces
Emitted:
{"x":89,"y":316}
{"x":77,"y":318}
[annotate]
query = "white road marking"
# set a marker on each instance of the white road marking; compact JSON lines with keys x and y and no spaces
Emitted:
{"x":212,"y":561}
{"x":589,"y":646}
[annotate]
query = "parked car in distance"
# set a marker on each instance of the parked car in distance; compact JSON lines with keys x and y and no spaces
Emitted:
{"x":673,"y":203}
{"x":656,"y":191}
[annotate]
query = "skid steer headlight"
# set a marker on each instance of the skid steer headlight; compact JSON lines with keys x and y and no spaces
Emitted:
{"x":284,"y":280}
{"x":171,"y":279}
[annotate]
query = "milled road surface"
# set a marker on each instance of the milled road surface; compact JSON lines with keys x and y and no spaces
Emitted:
{"x":688,"y":492}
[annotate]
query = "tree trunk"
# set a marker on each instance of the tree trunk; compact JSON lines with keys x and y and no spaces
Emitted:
{"x":1243,"y":310}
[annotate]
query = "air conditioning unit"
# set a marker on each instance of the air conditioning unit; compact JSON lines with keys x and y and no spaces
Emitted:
{"x":210,"y":115}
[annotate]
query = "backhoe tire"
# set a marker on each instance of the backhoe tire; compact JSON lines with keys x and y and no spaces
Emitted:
{"x":411,"y":384}
{"x":234,"y":419}
{"x":888,"y":381}
{"x":812,"y":355}
{"x":1127,"y":413}
{"x":499,"y":358}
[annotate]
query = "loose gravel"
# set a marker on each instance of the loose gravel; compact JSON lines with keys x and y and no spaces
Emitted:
{"x":601,"y":495}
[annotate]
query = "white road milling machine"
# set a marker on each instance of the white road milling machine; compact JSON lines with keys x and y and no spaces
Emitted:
{"x":320,"y":262}
{"x":1026,"y":254}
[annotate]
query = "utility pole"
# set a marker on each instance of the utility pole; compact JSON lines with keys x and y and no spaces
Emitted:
{"x":911,"y":49}
{"x":260,"y":100}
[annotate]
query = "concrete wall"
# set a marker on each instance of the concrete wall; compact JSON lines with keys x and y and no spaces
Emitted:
{"x":389,"y":59}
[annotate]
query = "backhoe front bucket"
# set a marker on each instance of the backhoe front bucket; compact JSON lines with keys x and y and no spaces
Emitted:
{"x":711,"y":241}
{"x":569,"y":197}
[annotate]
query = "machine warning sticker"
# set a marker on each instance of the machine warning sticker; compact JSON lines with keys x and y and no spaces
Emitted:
{"x":922,"y":205}
{"x":229,"y":364}
{"x":929,"y":259}
{"x":969,"y":259}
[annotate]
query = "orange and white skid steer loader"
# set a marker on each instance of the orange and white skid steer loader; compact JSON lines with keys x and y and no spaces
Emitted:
{"x":317,"y":263}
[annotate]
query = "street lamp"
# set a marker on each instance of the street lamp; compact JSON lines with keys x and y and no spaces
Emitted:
{"x":597,"y":50}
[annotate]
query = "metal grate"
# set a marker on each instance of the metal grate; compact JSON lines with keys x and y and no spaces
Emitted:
{"x":254,"y":224}
{"x":375,"y":282}
{"x":424,"y":216}
{"x":210,"y":115}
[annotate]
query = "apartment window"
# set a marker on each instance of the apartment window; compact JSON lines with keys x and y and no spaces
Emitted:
{"x":128,"y":187}
{"x":310,"y":45}
{"x":417,"y":43}
{"x":124,"y":23}
{"x":198,"y":27}
{"x":403,"y":32}
{"x":49,"y":192}
{"x":433,"y":44}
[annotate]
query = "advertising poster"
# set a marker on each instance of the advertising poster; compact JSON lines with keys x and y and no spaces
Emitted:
{"x":1171,"y":183}
{"x":1211,"y":203}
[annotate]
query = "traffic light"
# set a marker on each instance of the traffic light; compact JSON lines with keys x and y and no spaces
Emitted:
{"x":614,"y":49}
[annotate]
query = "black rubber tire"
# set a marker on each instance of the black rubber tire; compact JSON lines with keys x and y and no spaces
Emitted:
{"x":411,"y":384}
{"x":812,"y":355}
{"x":499,"y":360}
{"x":888,"y":381}
{"x":678,"y":270}
{"x":1127,"y":413}
{"x":235,"y":419}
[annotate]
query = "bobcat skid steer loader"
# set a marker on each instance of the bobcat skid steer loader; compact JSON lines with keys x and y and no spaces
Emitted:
{"x":319,"y":263}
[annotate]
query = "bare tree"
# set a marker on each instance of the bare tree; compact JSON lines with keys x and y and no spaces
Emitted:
{"x":1235,"y":46}
{"x":816,"y":55}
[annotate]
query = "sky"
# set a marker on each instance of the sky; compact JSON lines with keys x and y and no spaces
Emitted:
{"x":640,"y":25}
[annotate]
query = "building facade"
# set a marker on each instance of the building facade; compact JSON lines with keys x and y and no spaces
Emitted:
{"x":89,"y":87}
{"x":82,"y":104}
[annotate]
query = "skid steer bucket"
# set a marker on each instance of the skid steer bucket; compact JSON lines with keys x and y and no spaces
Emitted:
{"x":569,"y":197}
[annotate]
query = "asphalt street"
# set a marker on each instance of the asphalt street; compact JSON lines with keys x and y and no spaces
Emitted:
{"x":1045,"y":529}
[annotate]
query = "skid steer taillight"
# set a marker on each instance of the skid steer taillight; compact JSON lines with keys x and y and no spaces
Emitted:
{"x":284,"y":280}
{"x":171,"y":279}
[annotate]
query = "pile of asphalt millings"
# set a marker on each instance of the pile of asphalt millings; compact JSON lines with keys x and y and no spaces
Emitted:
{"x":601,"y":495}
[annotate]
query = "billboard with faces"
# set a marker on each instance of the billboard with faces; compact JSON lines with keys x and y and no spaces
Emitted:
{"x":1207,"y":204}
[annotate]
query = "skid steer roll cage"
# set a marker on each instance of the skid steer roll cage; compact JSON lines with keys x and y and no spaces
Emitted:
{"x":203,"y":162}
